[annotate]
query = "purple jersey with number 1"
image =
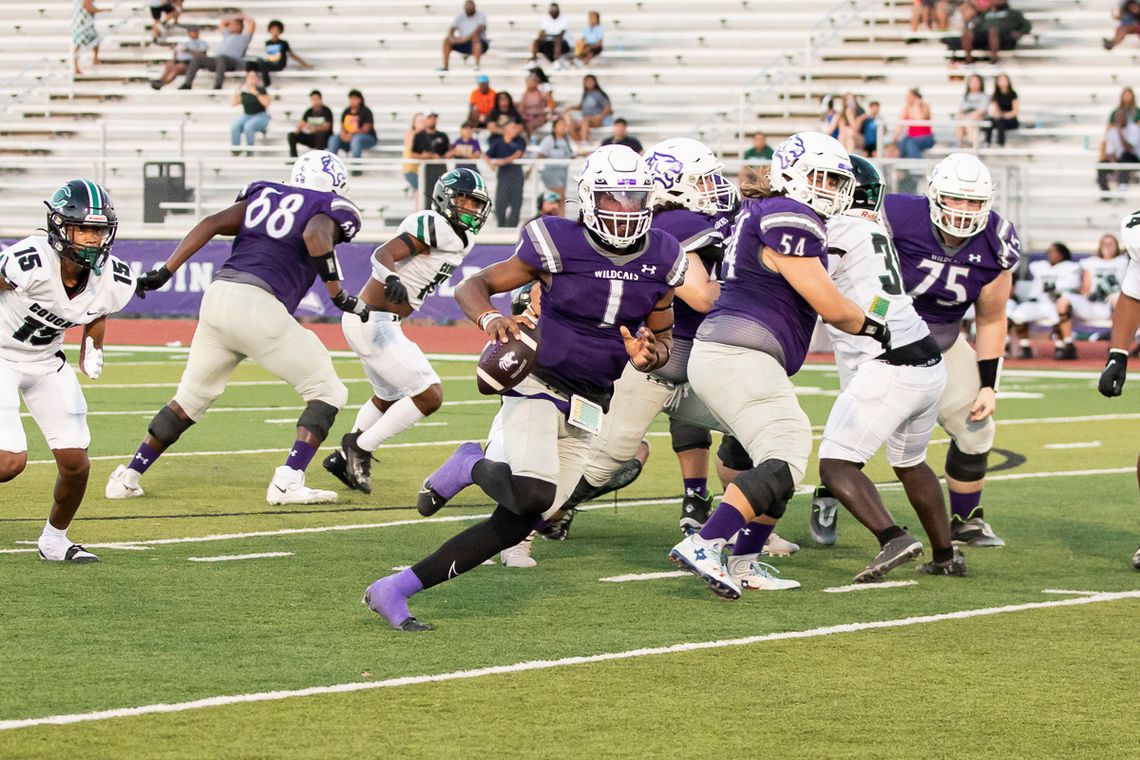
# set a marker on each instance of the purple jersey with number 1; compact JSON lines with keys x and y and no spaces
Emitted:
{"x":269,"y":250}
{"x":945,"y":282}
{"x":591,"y":293}
{"x":758,"y":308}
{"x":693,"y":231}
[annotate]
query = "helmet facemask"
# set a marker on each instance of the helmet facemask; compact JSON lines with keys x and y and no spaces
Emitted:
{"x":831,"y":190}
{"x":64,"y":238}
{"x":469,"y":211}
{"x":960,"y":222}
{"x":619,"y":217}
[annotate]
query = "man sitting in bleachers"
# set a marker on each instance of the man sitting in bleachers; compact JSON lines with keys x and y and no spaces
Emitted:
{"x":184,"y":53}
{"x":466,"y":36}
{"x":1000,"y":28}
{"x":237,"y":31}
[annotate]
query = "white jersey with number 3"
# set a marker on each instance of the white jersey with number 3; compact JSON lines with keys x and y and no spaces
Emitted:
{"x":864,"y":266}
{"x":424,"y":272}
{"x":35,"y":313}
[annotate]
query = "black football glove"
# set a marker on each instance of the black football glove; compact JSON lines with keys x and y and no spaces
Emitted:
{"x":873,"y":327}
{"x":712,"y":253}
{"x":152,"y":280}
{"x":345,"y":302}
{"x":1115,"y":372}
{"x":394,"y":291}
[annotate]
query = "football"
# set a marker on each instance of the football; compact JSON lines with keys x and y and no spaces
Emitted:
{"x":502,"y":366}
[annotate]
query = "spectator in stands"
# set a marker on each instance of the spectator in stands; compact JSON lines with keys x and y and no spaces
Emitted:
{"x":1101,"y":277}
{"x":1000,"y":27}
{"x":431,"y":145}
{"x":315,"y":127}
{"x":829,"y":122}
{"x":466,"y":36}
{"x":502,"y":153}
{"x":1127,"y":104}
{"x":549,"y":204}
{"x":974,"y":106}
{"x":1128,"y":15}
{"x":83,"y":31}
{"x":589,"y":46}
{"x":164,"y":13}
{"x":923,"y":14}
{"x":481,"y":102}
{"x":760,"y":150}
{"x":1004,"y":107}
{"x":621,"y":136}
{"x":411,"y":169}
{"x":556,"y":145}
{"x":551,"y":41}
{"x":1054,"y":277}
{"x":466,"y":147}
{"x":254,"y":102}
{"x":277,"y":53}
{"x":237,"y":30}
{"x":503,"y":113}
{"x":851,"y":120}
{"x":871,"y":129}
{"x":914,"y":139}
{"x":1121,"y":145}
{"x":184,"y":52}
{"x":595,"y":107}
{"x":536,"y":107}
{"x":357,"y":131}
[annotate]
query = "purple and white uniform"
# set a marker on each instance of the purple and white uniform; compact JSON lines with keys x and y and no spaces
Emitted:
{"x":944,"y":281}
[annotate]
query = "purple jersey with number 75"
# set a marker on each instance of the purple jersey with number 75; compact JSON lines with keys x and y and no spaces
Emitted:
{"x":945,"y":282}
{"x":269,"y":250}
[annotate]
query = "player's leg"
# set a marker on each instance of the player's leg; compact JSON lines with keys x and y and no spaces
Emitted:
{"x":691,"y":444}
{"x":13,"y":442}
{"x":970,"y":445}
{"x":1021,"y":316}
{"x":1063,"y":330}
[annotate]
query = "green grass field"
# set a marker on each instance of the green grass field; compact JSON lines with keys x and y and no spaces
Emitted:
{"x":1055,"y":676}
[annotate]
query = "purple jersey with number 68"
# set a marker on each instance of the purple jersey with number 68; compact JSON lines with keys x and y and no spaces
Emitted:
{"x":945,"y":282}
{"x":270,"y":251}
{"x":589,"y":295}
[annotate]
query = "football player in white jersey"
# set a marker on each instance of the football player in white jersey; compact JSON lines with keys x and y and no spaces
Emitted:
{"x":887,"y":397}
{"x":47,"y":284}
{"x":1101,"y":276}
{"x":1125,"y":323}
{"x":429,"y":246}
{"x":1055,"y":276}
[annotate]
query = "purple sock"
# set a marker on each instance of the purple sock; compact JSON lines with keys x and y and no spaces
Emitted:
{"x":408,"y":583}
{"x":389,"y":596}
{"x":143,"y":459}
{"x":300,"y":455}
{"x":697,"y":485}
{"x":962,"y":504}
{"x":752,"y":538}
{"x":725,"y":521}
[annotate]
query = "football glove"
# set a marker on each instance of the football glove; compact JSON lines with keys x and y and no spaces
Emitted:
{"x":345,"y":302}
{"x":1115,"y":372}
{"x":394,"y":291}
{"x":152,"y":280}
{"x":875,"y":328}
{"x":92,"y":362}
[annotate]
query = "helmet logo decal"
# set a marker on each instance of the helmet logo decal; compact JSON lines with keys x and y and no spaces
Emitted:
{"x":331,"y":169}
{"x":790,"y":150}
{"x":62,"y":197}
{"x":666,"y":169}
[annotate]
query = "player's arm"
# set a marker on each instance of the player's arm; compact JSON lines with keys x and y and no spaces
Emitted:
{"x":698,"y":290}
{"x":91,"y":348}
{"x":650,"y":347}
{"x":1125,"y":323}
{"x":474,"y":296}
{"x":320,"y":236}
{"x":384,"y":291}
{"x":989,"y":343}
{"x":225,"y":222}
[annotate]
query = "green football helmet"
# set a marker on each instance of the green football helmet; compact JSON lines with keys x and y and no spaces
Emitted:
{"x":868,"y":185}
{"x":81,"y":203}
{"x":450,"y":187}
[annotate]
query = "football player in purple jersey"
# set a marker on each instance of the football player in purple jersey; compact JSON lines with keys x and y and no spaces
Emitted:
{"x":955,"y":253}
{"x":285,"y":234}
{"x":607,"y":300}
{"x":1125,"y":323}
{"x":756,"y":338}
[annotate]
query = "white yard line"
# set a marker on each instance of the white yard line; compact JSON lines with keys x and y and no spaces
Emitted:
{"x":96,"y":385}
{"x":645,"y":576}
{"x":868,"y":586}
{"x":531,"y":665}
{"x":1069,"y":592}
{"x":1074,"y":445}
{"x":237,"y":557}
{"x":293,"y":421}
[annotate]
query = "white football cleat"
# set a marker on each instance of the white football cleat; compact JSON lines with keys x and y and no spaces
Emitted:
{"x":288,"y":487}
{"x":519,"y":554}
{"x":705,"y":559}
{"x":117,"y":486}
{"x":779,"y":547}
{"x":54,"y":552}
{"x":752,"y":574}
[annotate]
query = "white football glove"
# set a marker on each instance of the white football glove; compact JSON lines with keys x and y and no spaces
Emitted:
{"x":92,"y":362}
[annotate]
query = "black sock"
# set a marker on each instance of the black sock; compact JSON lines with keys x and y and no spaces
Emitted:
{"x":473,"y":546}
{"x":889,"y":534}
{"x":944,"y":555}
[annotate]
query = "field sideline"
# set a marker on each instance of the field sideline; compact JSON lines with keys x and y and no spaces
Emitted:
{"x":217,"y":626}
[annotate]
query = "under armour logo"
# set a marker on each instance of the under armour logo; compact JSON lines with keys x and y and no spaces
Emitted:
{"x":975,"y":258}
{"x":699,"y":554}
{"x":746,"y":531}
{"x":292,"y":452}
{"x":648,"y":269}
{"x":142,"y":459}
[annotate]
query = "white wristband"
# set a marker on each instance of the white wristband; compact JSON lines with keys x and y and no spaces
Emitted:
{"x":486,"y":318}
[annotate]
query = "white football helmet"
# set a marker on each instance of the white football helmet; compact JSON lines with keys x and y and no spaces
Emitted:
{"x":814,"y":169}
{"x":687,"y":172}
{"x":320,"y":170}
{"x":960,"y":176}
{"x":615,"y":193}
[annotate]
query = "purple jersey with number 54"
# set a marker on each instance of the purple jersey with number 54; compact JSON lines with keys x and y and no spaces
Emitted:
{"x":591,"y":294}
{"x":269,"y":250}
{"x":945,"y":282}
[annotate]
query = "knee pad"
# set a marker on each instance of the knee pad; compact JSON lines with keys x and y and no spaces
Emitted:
{"x":687,"y":437}
{"x":318,"y":418}
{"x":732,"y":455}
{"x":530,"y":497}
{"x":167,"y":426}
{"x":768,"y":486}
{"x":968,"y":468}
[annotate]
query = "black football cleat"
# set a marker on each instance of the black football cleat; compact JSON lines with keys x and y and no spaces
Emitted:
{"x":695,"y":511}
{"x":974,"y":530}
{"x":337,"y":467}
{"x":955,"y":567}
{"x":897,"y":551}
{"x":1065,"y":352}
{"x":1136,"y":559}
{"x":1025,"y":352}
{"x":559,"y":529}
{"x":358,"y":463}
{"x":411,"y":625}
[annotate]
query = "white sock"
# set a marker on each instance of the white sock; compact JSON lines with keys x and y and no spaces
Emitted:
{"x":368,"y":416}
{"x":53,"y":535}
{"x":400,"y":416}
